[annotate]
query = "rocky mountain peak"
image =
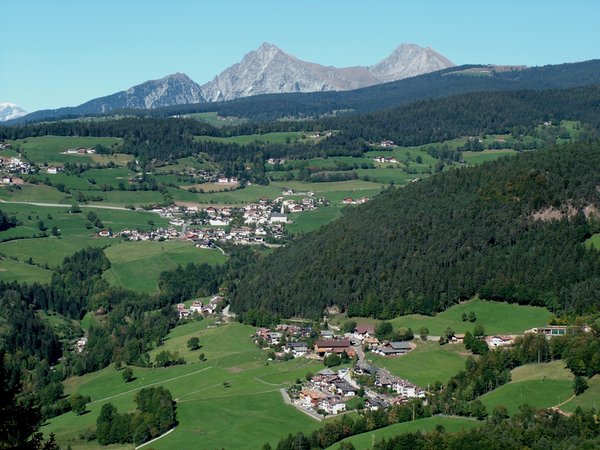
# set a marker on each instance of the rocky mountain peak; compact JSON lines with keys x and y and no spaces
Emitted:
{"x":409,"y":60}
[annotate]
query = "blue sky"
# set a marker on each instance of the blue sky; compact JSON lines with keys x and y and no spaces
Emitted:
{"x":65,"y":52}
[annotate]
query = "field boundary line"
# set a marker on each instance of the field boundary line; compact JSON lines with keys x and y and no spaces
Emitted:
{"x":151,"y":384}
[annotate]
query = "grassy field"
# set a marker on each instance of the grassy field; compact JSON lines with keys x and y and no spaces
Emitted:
{"x":425,"y":365}
{"x":137,"y":265}
{"x":270,"y":138}
{"x":475,"y":158}
{"x":48,"y":149}
{"x":589,"y":399}
{"x":313,"y":220}
{"x":450,"y":424}
{"x":496,"y":317}
{"x":33,"y":193}
{"x":74,"y":235}
{"x":593,"y":242}
{"x":11,"y":270}
{"x":245,"y":415}
{"x":213,"y":118}
{"x":540,"y":385}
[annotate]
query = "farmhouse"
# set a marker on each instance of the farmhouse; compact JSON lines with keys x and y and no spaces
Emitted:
{"x":296,"y":348}
{"x":364,"y":331}
{"x":348,"y":201}
{"x":498,"y":341}
{"x":52,"y":170}
{"x":394,"y":349}
{"x":329,"y":346}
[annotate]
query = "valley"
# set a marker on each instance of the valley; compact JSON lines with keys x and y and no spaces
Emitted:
{"x":295,"y":256}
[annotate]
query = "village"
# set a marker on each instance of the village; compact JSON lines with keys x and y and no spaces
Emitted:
{"x":332,"y":392}
{"x":261,"y":223}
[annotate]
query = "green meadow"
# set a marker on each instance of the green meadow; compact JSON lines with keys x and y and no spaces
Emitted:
{"x":496,"y":317}
{"x":589,"y":399}
{"x":312,"y":220}
{"x":246,"y":413}
{"x":269,"y":138}
{"x":49,"y":149}
{"x":427,"y":363}
{"x":137,"y":265}
{"x":450,"y":424}
{"x":475,"y":158}
{"x":539,"y":385}
{"x":213,"y":118}
{"x":11,"y":270}
{"x":74,"y":232}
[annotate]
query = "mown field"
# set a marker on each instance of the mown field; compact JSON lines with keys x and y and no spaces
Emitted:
{"x":246,"y":414}
{"x":313,"y":220}
{"x":11,"y":270}
{"x":450,"y":424}
{"x":137,"y":265}
{"x":215,"y":120}
{"x":73,"y":229}
{"x":496,"y":318}
{"x":589,"y":399}
{"x":475,"y":158}
{"x":426,"y":364}
{"x":269,"y":138}
{"x":539,"y":385}
{"x":49,"y":149}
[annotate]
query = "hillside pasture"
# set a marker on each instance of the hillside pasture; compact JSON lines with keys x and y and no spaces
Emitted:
{"x":450,"y":424}
{"x":426,"y":364}
{"x":589,"y":399}
{"x":137,"y":265}
{"x":474,"y":158}
{"x":496,"y":317}
{"x":50,"y":149}
{"x":11,"y":270}
{"x":213,"y":118}
{"x":269,"y":138}
{"x":246,"y":413}
{"x":539,"y":385}
{"x":74,"y":232}
{"x":313,"y":220}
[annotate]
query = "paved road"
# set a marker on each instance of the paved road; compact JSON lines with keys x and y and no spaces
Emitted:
{"x":61,"y":205}
{"x":288,"y":401}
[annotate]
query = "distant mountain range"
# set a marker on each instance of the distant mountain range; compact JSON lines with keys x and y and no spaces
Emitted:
{"x":267,"y":70}
{"x":9,"y":111}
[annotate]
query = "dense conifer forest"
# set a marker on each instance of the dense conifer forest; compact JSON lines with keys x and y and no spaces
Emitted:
{"x":426,"y":246}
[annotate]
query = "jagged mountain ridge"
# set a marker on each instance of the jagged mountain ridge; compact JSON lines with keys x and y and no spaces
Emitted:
{"x":175,"y":89}
{"x":9,"y":111}
{"x":269,"y":70}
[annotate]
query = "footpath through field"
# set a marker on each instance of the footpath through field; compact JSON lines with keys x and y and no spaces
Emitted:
{"x":148,"y":385}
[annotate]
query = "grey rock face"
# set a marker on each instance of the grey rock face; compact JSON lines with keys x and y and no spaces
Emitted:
{"x":269,"y":70}
{"x":176,"y":89}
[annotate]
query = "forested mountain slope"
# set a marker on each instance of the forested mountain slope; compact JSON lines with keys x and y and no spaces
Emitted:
{"x":443,"y":83}
{"x":464,"y":232}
